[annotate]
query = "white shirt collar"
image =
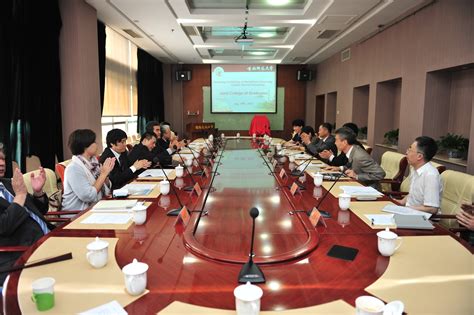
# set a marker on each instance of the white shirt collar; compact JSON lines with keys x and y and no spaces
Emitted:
{"x":348,"y":154}
{"x":117,"y":155}
{"x":422,"y":169}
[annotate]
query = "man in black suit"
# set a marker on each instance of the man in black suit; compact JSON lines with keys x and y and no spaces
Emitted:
{"x":324,"y":141}
{"x":123,"y":171}
{"x":329,"y":156}
{"x":21,"y":215}
{"x":145,"y":150}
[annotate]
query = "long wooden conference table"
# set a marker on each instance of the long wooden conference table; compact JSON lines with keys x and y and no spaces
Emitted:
{"x":198,"y":264}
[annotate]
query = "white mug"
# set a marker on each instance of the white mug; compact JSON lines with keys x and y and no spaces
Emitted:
{"x":98,"y":253}
{"x":318,"y":179}
{"x":139,"y":214}
{"x":291,"y":158}
{"x":247,"y":299}
{"x":135,"y":277}
{"x":164,"y":187}
{"x":254,"y":135}
{"x":179,"y":171}
{"x":238,"y":134}
{"x":211,"y":138}
{"x":278,"y":146}
{"x":344,"y":201}
{"x":387,"y":242}
{"x":369,"y":305}
{"x":222,"y":135}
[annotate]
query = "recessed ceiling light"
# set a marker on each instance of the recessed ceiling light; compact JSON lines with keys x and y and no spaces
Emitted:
{"x":265,"y":35}
{"x":278,"y":2}
{"x":258,"y":53}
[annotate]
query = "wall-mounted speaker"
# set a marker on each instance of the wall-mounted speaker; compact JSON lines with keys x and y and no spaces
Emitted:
{"x":305,"y":75}
{"x":183,"y":75}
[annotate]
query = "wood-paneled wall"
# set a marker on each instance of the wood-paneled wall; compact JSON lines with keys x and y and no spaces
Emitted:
{"x":192,"y":100}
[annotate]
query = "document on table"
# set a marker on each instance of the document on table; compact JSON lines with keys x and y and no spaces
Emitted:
{"x":139,"y":189}
{"x":405,"y":211}
{"x":138,"y":204}
{"x":114,"y":204}
{"x":107,"y":218}
{"x":355,"y":191}
{"x":302,"y":156}
{"x":111,"y":308}
{"x":154,"y":173}
{"x":380,"y":219}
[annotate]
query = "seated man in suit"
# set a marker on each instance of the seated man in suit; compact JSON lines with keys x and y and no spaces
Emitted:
{"x":144,"y":150}
{"x":123,"y":171}
{"x":168,"y":141}
{"x":324,"y":141}
{"x":330,"y":157}
{"x":298,"y":125}
{"x":21,"y":215}
{"x":425,"y":187}
{"x":162,"y":155}
{"x":361,"y":166}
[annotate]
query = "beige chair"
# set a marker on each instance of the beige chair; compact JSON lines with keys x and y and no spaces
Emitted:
{"x":394,"y":164}
{"x":32,"y":163}
{"x":458,"y":188}
{"x":367,"y":148}
{"x":405,"y":186}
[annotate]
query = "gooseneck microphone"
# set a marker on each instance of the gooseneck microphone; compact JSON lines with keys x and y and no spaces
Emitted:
{"x":172,"y":212}
{"x":296,"y":172}
{"x":205,"y":163}
{"x":250,"y":271}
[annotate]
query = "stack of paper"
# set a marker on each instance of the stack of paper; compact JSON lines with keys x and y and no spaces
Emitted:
{"x":405,"y":211}
{"x":155,"y":173}
{"x":138,"y":204}
{"x":380,"y":219}
{"x":139,"y":189}
{"x":355,"y":191}
{"x":302,"y":156}
{"x":107,"y":218}
{"x":114,"y":205}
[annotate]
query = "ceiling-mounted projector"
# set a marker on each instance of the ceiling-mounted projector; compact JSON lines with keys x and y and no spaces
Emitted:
{"x":244,"y":41}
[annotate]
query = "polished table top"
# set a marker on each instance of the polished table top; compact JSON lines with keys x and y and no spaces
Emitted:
{"x":199,"y":263}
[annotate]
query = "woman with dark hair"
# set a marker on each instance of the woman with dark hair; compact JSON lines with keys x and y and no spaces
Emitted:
{"x":85,"y":181}
{"x":297,"y":126}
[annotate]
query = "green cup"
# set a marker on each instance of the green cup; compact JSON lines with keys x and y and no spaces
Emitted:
{"x":43,"y":293}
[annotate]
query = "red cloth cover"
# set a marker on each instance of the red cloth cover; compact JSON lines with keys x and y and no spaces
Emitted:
{"x":260,"y":125}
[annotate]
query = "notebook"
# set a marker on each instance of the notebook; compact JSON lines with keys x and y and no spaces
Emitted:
{"x":417,"y":222}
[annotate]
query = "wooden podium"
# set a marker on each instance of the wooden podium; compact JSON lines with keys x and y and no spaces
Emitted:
{"x":198,"y":130}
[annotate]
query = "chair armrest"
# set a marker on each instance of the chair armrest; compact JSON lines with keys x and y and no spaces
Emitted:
{"x":459,"y":229}
{"x":443,"y":216}
{"x":389,"y":181}
{"x":6,"y":249}
{"x":58,"y":219}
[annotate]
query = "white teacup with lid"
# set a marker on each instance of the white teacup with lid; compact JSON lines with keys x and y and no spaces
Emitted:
{"x":179,"y":171}
{"x":164,"y":187}
{"x":98,"y":253}
{"x":318,"y":179}
{"x":387,"y":242}
{"x":369,"y":305}
{"x":247,"y":299}
{"x":135,"y":277}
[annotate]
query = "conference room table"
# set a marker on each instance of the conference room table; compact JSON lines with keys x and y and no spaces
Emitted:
{"x":198,"y":263}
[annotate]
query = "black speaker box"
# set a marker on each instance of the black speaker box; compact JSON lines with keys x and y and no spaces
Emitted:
{"x":183,"y":75}
{"x":305,"y":75}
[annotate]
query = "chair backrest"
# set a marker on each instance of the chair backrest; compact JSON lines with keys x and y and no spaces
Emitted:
{"x":60,"y":168}
{"x":394,"y":164}
{"x":50,"y":187}
{"x":129,"y":147}
{"x":32,"y":163}
{"x":457,"y":189}
{"x":405,"y":186}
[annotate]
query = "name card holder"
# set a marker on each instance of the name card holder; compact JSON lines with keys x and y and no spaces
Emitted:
{"x":283,"y":173}
{"x":183,"y":217}
{"x":275,"y":162}
{"x":316,"y":218}
{"x":294,"y":189}
{"x":206,"y":172}
{"x":197,"y":189}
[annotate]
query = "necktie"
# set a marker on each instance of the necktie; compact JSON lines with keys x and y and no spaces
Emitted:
{"x":9,"y":197}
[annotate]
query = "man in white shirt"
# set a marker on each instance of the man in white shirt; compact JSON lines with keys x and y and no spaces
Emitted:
{"x":425,"y":187}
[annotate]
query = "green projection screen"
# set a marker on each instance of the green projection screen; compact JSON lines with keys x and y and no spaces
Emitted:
{"x":243,"y":88}
{"x":242,"y":121}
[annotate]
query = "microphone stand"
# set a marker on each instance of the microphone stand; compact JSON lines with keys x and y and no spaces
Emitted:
{"x":172,"y":212}
{"x":205,"y":163}
{"x":187,"y":188}
{"x":250,"y":271}
{"x":201,"y":170}
{"x":299,"y":173}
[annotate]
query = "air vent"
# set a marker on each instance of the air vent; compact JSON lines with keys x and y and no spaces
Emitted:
{"x":299,"y":59}
{"x":345,"y":54}
{"x":327,"y":34}
{"x":191,"y":30}
{"x":132,"y":33}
